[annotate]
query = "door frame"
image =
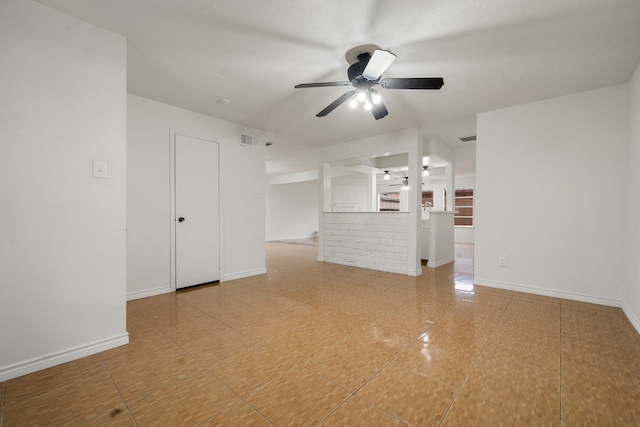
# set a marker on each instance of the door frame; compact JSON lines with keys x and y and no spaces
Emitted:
{"x":172,"y":207}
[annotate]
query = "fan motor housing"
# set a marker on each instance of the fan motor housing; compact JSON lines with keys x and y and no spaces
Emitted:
{"x":355,"y":70}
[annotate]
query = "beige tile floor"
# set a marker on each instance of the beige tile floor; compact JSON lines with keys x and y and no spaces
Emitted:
{"x":322,"y":344}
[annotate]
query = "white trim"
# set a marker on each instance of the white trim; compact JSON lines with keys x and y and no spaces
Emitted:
{"x":414,"y":273}
{"x":441,"y":262}
{"x":148,"y":293}
{"x":632,"y":318}
{"x":172,"y":209}
{"x":37,"y":364}
{"x":549,"y":292}
{"x":244,"y":274}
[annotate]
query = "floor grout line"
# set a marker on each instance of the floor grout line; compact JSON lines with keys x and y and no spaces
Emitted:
{"x":473,"y":365}
{"x":124,"y":401}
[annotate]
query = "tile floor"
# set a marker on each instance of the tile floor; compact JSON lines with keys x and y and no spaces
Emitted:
{"x":322,"y":344}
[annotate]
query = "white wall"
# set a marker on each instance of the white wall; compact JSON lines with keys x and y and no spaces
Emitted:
{"x":242,"y":175}
{"x":463,"y":234}
{"x":292,"y":210}
{"x":349,"y":193}
{"x":551,"y":196}
{"x":464,"y":159}
{"x":62,"y":250}
{"x":374,"y":240}
{"x":631,"y":301}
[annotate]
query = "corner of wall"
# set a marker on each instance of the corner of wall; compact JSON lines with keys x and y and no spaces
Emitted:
{"x":633,"y":319}
{"x":631,"y":291}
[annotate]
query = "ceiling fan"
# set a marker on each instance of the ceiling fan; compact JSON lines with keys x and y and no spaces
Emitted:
{"x":364,"y":74}
{"x":404,"y":183}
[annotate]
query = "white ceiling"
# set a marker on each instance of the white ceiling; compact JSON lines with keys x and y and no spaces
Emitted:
{"x":491,"y":54}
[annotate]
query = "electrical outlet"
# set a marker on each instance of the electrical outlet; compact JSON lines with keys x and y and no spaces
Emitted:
{"x":502,"y":261}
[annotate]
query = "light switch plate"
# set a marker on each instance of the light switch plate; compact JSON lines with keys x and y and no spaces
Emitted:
{"x":100,"y":169}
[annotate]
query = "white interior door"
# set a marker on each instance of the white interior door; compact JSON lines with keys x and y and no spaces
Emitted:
{"x":197,"y":238}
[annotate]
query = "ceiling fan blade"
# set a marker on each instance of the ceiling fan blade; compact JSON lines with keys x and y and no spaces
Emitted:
{"x":413,"y":83}
{"x":379,"y":110}
{"x":378,"y":64}
{"x":335,"y":104}
{"x":323,"y":84}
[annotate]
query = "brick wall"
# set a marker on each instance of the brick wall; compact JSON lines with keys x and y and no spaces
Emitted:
{"x":377,"y":241}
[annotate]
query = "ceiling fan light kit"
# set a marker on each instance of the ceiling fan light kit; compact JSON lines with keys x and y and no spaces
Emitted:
{"x":368,"y":99}
{"x":405,"y":183}
{"x":364,"y":74}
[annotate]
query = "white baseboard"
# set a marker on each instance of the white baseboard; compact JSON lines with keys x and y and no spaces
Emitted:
{"x":147,"y":293}
{"x":414,"y":273}
{"x":371,"y":266}
{"x":244,"y":274}
{"x":631,"y":316}
{"x":440,"y":263}
{"x":39,"y":363}
{"x":549,"y":292}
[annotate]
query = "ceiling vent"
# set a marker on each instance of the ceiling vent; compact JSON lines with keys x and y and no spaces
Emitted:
{"x":249,"y":141}
{"x":468,"y":138}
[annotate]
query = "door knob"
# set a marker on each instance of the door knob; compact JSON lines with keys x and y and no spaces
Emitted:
{"x":181,"y":219}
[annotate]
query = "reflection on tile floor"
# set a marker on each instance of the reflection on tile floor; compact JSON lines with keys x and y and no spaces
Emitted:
{"x":311,"y":343}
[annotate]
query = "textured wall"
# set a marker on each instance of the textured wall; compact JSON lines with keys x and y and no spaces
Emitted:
{"x":377,"y":241}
